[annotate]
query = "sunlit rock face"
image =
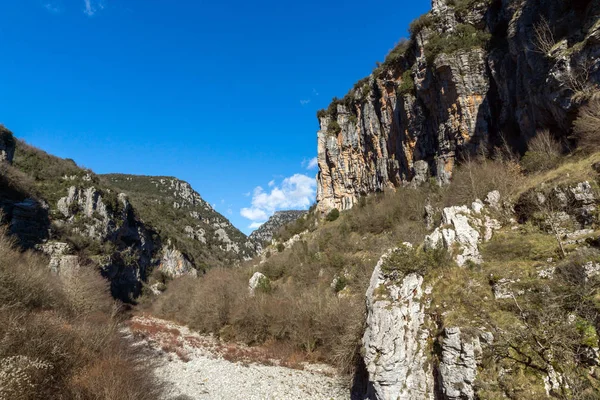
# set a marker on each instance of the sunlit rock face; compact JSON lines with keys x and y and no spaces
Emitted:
{"x":414,"y":117}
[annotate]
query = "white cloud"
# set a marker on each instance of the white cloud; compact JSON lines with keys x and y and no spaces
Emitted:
{"x":92,"y":6}
{"x":310,"y":163}
{"x":255,"y":225}
{"x":304,"y":102}
{"x":295,"y":192}
{"x":53,"y":8}
{"x":254,"y":214}
{"x":272,"y":183}
{"x":315,"y":92}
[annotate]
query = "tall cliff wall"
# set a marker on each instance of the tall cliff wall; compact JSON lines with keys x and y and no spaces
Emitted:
{"x":474,"y":74}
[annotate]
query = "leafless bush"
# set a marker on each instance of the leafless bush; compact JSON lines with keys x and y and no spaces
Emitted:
{"x":475,"y":178}
{"x":59,"y":338}
{"x":587,"y":126}
{"x":544,"y":38}
{"x":543,"y":154}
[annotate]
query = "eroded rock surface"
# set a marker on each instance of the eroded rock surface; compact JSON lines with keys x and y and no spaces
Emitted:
{"x":411,"y":117}
{"x":395,"y":339}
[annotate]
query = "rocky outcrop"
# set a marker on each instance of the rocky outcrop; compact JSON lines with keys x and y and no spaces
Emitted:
{"x":470,"y":76}
{"x":28,"y":221}
{"x":458,"y":365}
{"x":264,"y":234}
{"x":7,"y":145}
{"x":174,"y":264}
{"x":395,"y":339}
{"x":256,"y":281}
{"x":463,"y":229}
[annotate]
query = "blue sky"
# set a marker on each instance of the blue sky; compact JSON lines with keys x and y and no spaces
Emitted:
{"x":220,"y":94}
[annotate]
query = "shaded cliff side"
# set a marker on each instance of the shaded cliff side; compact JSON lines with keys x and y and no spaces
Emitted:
{"x":475,"y":74}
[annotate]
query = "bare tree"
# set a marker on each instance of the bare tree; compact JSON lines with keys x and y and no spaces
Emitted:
{"x":544,"y":38}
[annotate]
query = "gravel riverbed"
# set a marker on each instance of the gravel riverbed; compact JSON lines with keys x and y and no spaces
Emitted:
{"x":192,"y":366}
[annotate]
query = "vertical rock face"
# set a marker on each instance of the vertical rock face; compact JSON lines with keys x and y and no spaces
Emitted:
{"x":469,"y":77}
{"x":7,"y":145}
{"x":86,"y":212}
{"x":458,"y":365}
{"x":395,"y":340}
{"x":175,"y":264}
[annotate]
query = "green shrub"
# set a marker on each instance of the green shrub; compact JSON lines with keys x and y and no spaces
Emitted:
{"x":407,"y":84}
{"x":280,"y":247}
{"x":397,"y":53}
{"x":465,"y":37}
{"x":406,"y":260}
{"x":333,"y":215}
{"x":333,"y":128}
{"x":424,"y":21}
{"x":340,"y":284}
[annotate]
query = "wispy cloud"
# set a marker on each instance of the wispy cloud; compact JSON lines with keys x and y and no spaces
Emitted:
{"x":310,"y":163}
{"x":53,"y":8}
{"x":315,"y":92}
{"x":295,"y":192}
{"x":92,"y":7}
{"x":255,"y":225}
{"x":304,"y":102}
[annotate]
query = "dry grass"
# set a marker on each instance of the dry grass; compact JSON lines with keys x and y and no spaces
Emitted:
{"x":59,"y":338}
{"x":475,"y":178}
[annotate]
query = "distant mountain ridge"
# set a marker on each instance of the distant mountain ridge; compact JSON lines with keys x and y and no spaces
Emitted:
{"x":264,"y":234}
{"x":179,"y":212}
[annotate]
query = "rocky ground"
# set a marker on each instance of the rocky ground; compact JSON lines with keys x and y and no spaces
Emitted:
{"x":194,"y":366}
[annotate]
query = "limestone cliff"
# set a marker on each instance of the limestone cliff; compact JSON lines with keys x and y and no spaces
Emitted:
{"x":474,"y":74}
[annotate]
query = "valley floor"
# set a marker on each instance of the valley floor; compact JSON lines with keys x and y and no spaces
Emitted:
{"x":194,"y":366}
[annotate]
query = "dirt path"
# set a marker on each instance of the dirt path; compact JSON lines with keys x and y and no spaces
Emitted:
{"x":200,"y":367}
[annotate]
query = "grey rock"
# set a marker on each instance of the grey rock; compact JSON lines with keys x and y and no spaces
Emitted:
{"x":395,"y":338}
{"x":493,"y":199}
{"x":458,"y":365}
{"x":175,"y":264}
{"x":256,"y":280}
{"x":7,"y":145}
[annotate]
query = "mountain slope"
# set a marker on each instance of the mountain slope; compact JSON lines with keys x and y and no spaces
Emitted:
{"x":78,"y":217}
{"x":181,"y":215}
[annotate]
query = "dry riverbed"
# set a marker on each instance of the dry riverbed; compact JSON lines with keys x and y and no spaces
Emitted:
{"x":194,"y":366}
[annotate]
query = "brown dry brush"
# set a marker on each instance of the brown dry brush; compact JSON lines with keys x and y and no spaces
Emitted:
{"x":59,"y":338}
{"x":586,"y":127}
